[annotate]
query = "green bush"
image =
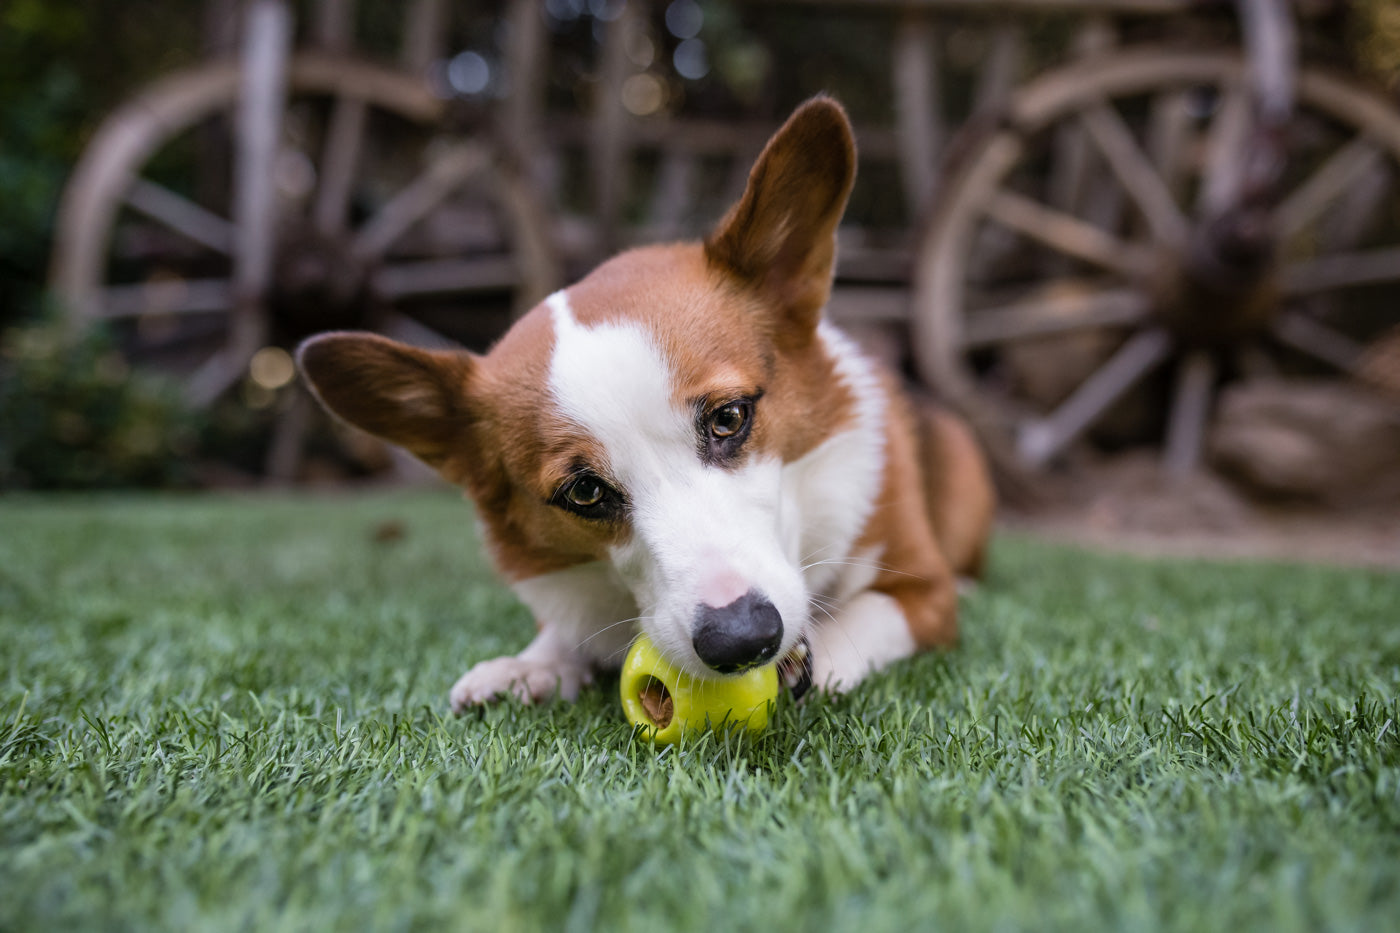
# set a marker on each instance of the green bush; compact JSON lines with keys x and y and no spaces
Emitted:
{"x":74,"y":416}
{"x":63,"y":66}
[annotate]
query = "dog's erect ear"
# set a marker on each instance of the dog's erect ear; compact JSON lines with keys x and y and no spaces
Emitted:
{"x":412,"y":397}
{"x":781,"y":236}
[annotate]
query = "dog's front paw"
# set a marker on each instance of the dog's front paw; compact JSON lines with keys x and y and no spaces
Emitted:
{"x":839,"y":671}
{"x":527,"y":679}
{"x":866,"y":634}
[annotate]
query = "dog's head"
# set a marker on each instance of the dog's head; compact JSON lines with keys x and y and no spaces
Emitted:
{"x":645,"y":415}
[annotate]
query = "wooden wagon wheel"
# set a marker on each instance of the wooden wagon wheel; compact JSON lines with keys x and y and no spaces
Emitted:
{"x":1077,"y":259}
{"x":351,"y":186}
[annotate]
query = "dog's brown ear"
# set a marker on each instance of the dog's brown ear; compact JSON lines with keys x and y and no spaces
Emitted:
{"x":781,"y":236}
{"x":415,"y":398}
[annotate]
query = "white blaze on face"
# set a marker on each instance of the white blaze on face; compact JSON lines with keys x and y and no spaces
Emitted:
{"x":700,"y":534}
{"x":832,"y":488}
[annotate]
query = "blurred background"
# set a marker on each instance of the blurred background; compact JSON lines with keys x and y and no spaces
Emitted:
{"x":1150,"y":248}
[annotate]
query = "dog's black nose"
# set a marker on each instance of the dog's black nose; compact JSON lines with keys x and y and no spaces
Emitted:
{"x":741,"y":635}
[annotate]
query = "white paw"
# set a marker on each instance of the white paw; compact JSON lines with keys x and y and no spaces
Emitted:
{"x":867,"y":633}
{"x":527,"y":679}
{"x":837,"y":671}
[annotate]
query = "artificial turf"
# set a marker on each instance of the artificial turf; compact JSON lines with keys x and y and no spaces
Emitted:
{"x":230,"y":714}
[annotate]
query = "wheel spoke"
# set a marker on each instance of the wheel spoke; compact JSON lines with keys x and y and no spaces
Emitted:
{"x":402,"y":327}
{"x":443,"y":276}
{"x":1041,"y":440}
{"x":1135,"y":173}
{"x":1311,"y":336}
{"x":418,"y":199}
{"x":173,"y":296}
{"x":997,"y":77}
{"x":1067,"y":234}
{"x":339,"y":157}
{"x":181,"y":215}
{"x":1357,"y":210}
{"x":1222,"y":171}
{"x":1328,"y":182}
{"x":260,"y":112}
{"x":1167,"y":135}
{"x":284,"y":454}
{"x":215,"y":377}
{"x":1254,"y":362}
{"x":1195,"y":382}
{"x":1058,"y":308}
{"x":671,"y":195}
{"x":247,"y":332}
{"x":1069,"y":169}
{"x":915,"y":76}
{"x":1342,"y":270}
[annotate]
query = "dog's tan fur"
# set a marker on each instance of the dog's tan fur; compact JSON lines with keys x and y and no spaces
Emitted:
{"x":734,"y":316}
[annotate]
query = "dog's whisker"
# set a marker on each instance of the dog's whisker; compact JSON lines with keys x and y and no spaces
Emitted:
{"x":862,"y":564}
{"x":671,"y":671}
{"x":825,"y":611}
{"x":803,"y":562}
{"x":619,"y":653}
{"x":614,"y":625}
{"x":850,"y":561}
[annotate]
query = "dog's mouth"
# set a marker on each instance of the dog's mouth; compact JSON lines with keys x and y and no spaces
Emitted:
{"x":795,"y":669}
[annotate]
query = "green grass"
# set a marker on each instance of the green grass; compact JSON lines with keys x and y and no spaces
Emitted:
{"x":230,"y":713}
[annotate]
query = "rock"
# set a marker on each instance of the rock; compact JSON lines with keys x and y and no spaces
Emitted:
{"x":1380,"y":364}
{"x":1131,"y":493}
{"x":1323,"y":440}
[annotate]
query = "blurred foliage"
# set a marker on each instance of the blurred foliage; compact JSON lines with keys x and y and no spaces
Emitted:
{"x":1376,"y":27}
{"x":40,"y":112}
{"x":62,"y":66}
{"x":74,"y":416}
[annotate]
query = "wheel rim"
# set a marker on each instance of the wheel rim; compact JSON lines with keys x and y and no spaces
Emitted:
{"x":347,"y":243}
{"x":1015,"y":276}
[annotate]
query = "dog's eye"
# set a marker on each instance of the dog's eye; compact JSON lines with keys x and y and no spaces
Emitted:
{"x":585,"y":492}
{"x":590,"y":497}
{"x":724,"y":429}
{"x":729,"y":420}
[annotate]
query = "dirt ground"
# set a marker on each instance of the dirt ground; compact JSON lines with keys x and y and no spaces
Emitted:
{"x":1126,"y":504}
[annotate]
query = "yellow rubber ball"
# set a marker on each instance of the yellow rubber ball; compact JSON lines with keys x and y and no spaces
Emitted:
{"x":667,"y":703}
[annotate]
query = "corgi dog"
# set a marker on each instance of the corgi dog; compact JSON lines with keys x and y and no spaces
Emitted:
{"x":679,"y":444}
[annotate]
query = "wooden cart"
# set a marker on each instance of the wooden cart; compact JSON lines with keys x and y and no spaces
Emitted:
{"x":1100,"y":241}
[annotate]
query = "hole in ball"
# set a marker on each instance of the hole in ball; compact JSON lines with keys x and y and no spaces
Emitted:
{"x":656,"y":700}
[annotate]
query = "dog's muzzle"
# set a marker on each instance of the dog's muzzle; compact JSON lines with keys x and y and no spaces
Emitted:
{"x":741,"y":635}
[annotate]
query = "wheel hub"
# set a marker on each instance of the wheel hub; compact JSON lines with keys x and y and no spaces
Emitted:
{"x":319,"y":284}
{"x":1221,"y":287}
